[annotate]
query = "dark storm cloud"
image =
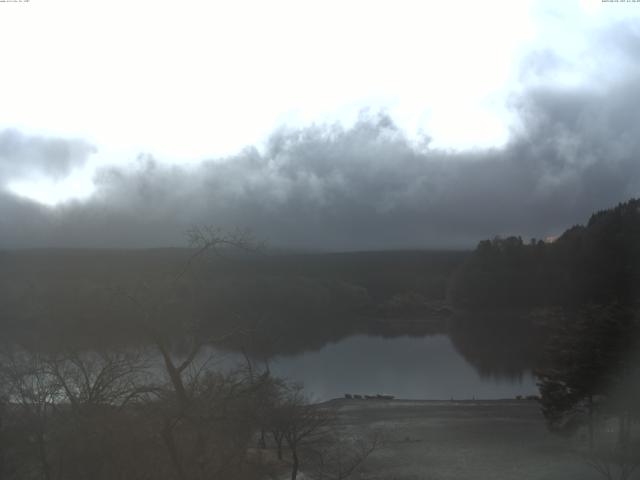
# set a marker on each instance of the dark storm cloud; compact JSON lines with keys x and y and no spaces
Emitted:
{"x":22,"y":155}
{"x":578,"y":150}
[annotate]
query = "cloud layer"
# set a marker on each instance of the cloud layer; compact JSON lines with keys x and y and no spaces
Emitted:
{"x":365,"y":187}
{"x":22,"y":155}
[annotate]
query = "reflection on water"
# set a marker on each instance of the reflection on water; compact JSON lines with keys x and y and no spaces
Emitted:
{"x":407,"y":367}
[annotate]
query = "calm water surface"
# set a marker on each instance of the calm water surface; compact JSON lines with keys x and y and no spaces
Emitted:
{"x":407,"y":367}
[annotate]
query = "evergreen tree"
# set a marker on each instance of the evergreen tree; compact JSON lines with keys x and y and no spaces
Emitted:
{"x":590,"y":367}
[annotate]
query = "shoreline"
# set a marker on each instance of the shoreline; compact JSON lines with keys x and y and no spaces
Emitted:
{"x":492,"y":439}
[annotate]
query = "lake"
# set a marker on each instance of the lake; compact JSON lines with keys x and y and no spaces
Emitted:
{"x":408,"y":367}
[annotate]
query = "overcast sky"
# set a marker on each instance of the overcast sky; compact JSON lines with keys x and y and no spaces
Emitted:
{"x":333,"y":125}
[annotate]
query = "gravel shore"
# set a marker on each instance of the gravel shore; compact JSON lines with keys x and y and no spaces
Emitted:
{"x":462,"y":440}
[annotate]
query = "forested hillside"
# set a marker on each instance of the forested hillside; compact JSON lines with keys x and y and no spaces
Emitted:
{"x":598,"y":262}
{"x":81,"y":295}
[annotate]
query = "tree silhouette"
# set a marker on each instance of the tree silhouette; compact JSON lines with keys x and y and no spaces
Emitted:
{"x":590,"y":368}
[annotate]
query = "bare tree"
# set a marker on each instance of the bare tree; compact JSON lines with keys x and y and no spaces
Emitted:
{"x":99,"y":378}
{"x":313,"y":437}
{"x":204,"y":426}
{"x":276,"y":415}
{"x":202,"y":240}
{"x":302,"y":424}
{"x":35,"y":393}
{"x":69,"y":415}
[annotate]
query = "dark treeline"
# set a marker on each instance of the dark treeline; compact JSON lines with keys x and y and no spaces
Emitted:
{"x":572,"y":307}
{"x":507,"y":281}
{"x":597,"y":263}
{"x":297,"y":301}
